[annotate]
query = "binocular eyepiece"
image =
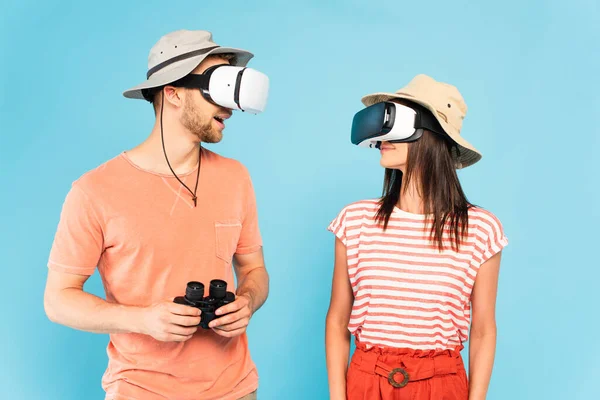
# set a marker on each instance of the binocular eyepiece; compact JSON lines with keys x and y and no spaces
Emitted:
{"x":218,"y":296}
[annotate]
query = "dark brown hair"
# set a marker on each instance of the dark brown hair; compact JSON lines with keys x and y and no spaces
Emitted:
{"x":430,"y":162}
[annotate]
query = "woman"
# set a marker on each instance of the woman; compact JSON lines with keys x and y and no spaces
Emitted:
{"x":413,"y":267}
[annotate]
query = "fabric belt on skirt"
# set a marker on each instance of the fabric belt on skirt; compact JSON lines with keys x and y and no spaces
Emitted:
{"x":400,"y":369}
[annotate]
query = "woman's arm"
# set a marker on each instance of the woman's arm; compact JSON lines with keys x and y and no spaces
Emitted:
{"x":337,"y":336}
{"x":482,"y":344}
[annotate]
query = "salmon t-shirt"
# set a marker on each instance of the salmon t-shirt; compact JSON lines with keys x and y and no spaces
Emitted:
{"x":142,"y":232}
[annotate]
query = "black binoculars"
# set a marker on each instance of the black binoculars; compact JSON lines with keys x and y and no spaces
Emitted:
{"x":218,"y":296}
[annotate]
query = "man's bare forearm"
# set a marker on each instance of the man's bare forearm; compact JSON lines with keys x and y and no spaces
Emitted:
{"x":255,"y":285}
{"x":83,"y":311}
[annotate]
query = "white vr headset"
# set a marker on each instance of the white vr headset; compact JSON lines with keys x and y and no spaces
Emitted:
{"x":392,"y":122}
{"x":237,"y":88}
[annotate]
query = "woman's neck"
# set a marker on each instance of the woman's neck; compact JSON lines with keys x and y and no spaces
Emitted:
{"x":410,"y":199}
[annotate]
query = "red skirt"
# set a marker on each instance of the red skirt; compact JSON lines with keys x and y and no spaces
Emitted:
{"x":405,"y":374}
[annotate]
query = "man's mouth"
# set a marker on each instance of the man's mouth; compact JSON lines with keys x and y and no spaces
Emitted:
{"x":222,"y":117}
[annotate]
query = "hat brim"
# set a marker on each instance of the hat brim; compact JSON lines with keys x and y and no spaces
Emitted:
{"x":468,"y":154}
{"x":179,"y":69}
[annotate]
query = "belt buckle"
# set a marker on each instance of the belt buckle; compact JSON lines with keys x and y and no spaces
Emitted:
{"x":393,"y":381}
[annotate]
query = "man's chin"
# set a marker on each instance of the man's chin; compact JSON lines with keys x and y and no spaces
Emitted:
{"x":212,"y":137}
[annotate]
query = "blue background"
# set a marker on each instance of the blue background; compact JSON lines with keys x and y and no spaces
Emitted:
{"x":528,"y":71}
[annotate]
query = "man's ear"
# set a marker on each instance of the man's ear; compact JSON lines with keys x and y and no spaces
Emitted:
{"x":173,"y":95}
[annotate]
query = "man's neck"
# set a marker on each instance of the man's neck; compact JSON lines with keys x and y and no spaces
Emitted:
{"x":182,"y":151}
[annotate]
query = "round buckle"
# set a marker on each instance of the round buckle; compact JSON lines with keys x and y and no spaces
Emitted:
{"x":393,"y":382}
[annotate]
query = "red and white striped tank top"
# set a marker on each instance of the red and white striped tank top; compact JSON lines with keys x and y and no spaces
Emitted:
{"x":407,"y":293}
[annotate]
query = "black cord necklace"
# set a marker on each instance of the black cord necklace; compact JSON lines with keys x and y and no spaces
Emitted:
{"x":162,"y":137}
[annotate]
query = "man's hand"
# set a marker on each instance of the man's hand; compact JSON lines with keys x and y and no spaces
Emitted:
{"x":169,"y":322}
{"x":238,"y":316}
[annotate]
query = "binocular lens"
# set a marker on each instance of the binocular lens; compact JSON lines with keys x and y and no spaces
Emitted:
{"x":218,"y":289}
{"x":194,"y":291}
{"x":218,"y":297}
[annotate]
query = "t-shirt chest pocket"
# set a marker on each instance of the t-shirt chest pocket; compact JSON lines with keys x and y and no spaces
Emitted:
{"x":227,"y":234}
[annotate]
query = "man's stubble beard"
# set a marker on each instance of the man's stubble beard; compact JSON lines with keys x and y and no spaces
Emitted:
{"x":203,"y":130}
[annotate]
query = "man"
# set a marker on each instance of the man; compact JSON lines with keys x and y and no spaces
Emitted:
{"x":154,"y":218}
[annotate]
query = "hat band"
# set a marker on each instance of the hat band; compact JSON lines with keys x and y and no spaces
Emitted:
{"x":178,"y":58}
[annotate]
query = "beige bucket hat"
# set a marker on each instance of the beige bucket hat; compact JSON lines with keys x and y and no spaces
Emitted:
{"x":447,"y":105}
{"x":177,"y":54}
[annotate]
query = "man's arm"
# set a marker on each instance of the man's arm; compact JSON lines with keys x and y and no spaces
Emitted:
{"x":252,"y":292}
{"x":66,"y":303}
{"x":252,"y":277}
